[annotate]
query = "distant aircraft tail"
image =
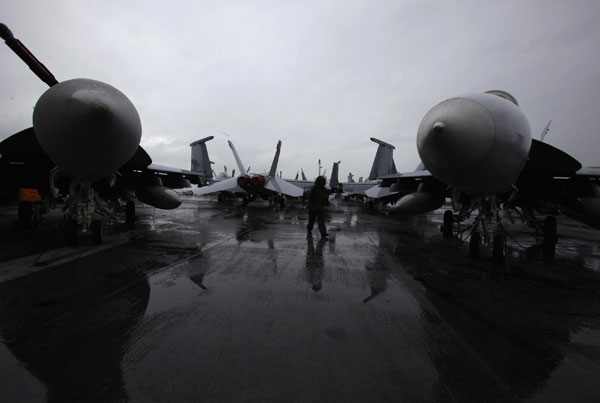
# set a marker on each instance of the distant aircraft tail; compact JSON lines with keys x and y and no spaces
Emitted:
{"x":237,"y":159}
{"x":545,"y":131}
{"x":200,"y":161}
{"x":273,"y":170}
{"x":334,"y":181}
{"x":383,"y":164}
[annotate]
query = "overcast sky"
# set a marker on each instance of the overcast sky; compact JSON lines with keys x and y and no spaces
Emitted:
{"x":322,"y":76}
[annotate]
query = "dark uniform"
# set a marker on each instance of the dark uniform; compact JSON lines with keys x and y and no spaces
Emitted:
{"x":317,"y":201}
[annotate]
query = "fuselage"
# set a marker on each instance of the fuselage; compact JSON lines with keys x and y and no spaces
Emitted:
{"x":476,"y":143}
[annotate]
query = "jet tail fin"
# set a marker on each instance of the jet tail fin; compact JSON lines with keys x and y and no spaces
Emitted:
{"x":273,"y":170}
{"x":237,"y":158}
{"x":383,"y":164}
{"x":545,"y":131}
{"x":303,"y":176}
{"x":335,"y":181}
{"x":200,"y":161}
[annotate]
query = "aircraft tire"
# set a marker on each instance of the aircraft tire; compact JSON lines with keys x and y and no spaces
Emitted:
{"x":130,"y":214}
{"x":245,"y":201}
{"x":474,"y":244}
{"x":499,"y":248}
{"x":448,"y":222}
{"x":549,"y":237}
{"x":72,"y":233}
{"x":97,"y":232}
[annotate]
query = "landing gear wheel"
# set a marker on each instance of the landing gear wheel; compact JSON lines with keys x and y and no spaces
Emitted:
{"x":245,"y":201}
{"x":97,"y":232}
{"x":130,"y":214}
{"x":25,"y":213}
{"x":499,"y":248}
{"x":448,"y":222}
{"x":474,"y":244}
{"x":549,"y":237}
{"x":72,"y":233}
{"x":281,"y":201}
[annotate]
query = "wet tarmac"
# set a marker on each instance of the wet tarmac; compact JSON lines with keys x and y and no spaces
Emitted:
{"x":230,"y":303}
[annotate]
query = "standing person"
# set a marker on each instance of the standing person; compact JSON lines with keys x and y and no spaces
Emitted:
{"x":317,"y":201}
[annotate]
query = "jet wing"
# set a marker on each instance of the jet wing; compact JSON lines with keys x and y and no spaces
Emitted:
{"x":166,"y":169}
{"x":282,"y":186}
{"x":226,"y":185}
{"x":304,"y":185}
{"x":23,"y":162}
{"x":414,"y":174}
{"x":357,"y":188}
{"x":407,"y":182}
{"x":378,"y":192}
{"x":589,"y":171}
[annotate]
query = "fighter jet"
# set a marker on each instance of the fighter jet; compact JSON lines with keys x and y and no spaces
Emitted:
{"x":84,"y":143}
{"x":250,"y":186}
{"x":383,"y":164}
{"x":477,"y":150}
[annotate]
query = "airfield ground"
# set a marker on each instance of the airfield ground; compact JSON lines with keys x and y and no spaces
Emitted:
{"x":215,"y":302}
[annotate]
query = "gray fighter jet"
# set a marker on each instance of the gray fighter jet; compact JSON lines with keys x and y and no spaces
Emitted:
{"x":477,"y":150}
{"x":84,"y":144}
{"x":250,"y":186}
{"x":383,"y":164}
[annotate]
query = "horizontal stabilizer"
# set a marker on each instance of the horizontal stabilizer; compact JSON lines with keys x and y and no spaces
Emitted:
{"x":227,"y":185}
{"x":282,"y":186}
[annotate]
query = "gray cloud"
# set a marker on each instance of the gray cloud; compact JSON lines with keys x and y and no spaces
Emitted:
{"x":321,"y":76}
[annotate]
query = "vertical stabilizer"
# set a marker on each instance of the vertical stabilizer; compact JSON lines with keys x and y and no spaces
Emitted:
{"x":545,"y":131}
{"x":273,"y":170}
{"x":335,"y":181}
{"x":200,"y":161}
{"x":383,"y":164}
{"x":237,"y":158}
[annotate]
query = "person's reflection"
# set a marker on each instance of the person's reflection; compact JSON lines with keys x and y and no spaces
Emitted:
{"x":315,"y":264}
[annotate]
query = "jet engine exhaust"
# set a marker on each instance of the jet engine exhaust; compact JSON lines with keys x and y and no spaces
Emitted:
{"x":258,"y":181}
{"x":243,"y":180}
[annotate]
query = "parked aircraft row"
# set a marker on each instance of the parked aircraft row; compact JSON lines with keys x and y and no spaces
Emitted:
{"x":476,"y":150}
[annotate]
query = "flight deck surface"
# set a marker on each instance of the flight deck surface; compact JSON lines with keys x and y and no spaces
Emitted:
{"x":214,"y":302}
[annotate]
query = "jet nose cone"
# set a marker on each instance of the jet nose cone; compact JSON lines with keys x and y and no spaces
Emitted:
{"x":87,"y":127}
{"x":455,"y":134}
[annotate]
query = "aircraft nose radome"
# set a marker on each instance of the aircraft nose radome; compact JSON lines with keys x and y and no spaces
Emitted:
{"x":97,"y":122}
{"x":454,"y":134}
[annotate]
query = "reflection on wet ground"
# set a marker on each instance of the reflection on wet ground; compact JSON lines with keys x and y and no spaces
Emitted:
{"x":225,"y":303}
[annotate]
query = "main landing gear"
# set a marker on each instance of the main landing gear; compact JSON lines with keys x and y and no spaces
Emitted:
{"x":487,"y":228}
{"x":79,"y":215}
